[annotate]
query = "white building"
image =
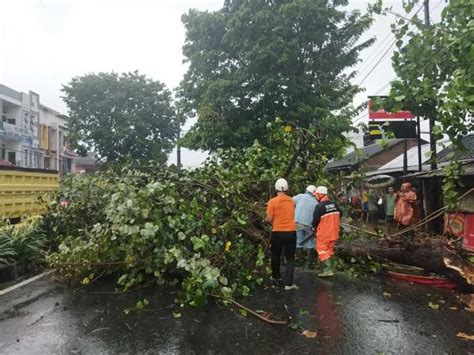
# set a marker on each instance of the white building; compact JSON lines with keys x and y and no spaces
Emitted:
{"x":19,"y":124}
{"x":53,"y":137}
{"x":33,"y":135}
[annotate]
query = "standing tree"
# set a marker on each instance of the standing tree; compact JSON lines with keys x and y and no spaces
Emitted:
{"x":434,"y":65}
{"x":125,"y":116}
{"x":254,"y":61}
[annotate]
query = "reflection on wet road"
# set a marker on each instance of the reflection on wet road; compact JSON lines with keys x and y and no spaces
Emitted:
{"x":360,"y":316}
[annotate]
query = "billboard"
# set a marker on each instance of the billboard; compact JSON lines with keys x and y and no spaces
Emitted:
{"x":392,"y":129}
{"x":381,"y":114}
{"x":384,"y":123}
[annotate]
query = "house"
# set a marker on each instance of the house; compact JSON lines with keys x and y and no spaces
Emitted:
{"x":371,"y":157}
{"x":19,"y":143}
{"x":53,"y":137}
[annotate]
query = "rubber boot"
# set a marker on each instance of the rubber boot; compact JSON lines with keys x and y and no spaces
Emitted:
{"x":300,"y":257}
{"x":312,"y":260}
{"x":328,"y":269}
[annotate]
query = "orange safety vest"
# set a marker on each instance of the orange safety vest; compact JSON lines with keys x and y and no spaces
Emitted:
{"x":327,"y":220}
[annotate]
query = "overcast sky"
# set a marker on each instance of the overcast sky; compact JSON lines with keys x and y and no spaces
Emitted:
{"x":43,"y":44}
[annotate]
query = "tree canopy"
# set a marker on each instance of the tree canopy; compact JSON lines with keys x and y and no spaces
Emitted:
{"x":253,"y":61}
{"x":434,"y":65}
{"x":121,"y":116}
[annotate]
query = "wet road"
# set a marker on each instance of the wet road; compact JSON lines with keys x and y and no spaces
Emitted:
{"x":349,"y":316}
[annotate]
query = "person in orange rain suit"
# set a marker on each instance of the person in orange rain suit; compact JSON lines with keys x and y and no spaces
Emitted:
{"x":326,"y":223}
{"x":404,"y":205}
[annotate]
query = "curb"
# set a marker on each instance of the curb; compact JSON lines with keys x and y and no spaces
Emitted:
{"x":25,"y":282}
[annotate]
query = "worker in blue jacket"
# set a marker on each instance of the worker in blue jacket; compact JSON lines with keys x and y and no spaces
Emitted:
{"x":305,"y":203}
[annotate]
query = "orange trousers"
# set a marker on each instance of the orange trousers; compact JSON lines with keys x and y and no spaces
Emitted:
{"x":325,"y":248}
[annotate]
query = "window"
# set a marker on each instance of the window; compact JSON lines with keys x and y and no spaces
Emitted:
{"x":25,"y":158}
{"x":12,"y":157}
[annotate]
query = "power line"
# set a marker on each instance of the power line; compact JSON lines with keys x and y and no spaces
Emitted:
{"x":372,"y":54}
{"x":372,"y":60}
{"x":388,"y":84}
{"x":415,"y":22}
{"x":434,"y":8}
{"x":377,"y":63}
{"x":383,"y":55}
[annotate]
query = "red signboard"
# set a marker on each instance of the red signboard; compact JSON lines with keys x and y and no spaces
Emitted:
{"x":454,"y":224}
{"x":461,"y":225}
{"x":468,"y":241}
{"x":381,"y":114}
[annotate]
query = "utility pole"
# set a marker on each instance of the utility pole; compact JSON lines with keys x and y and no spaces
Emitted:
{"x":405,"y":156}
{"x":178,"y":146}
{"x":434,"y":165}
{"x":418,"y":137}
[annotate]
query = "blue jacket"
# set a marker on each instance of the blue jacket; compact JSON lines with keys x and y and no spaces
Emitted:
{"x":305,"y":205}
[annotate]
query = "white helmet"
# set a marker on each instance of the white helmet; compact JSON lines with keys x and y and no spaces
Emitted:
{"x":281,"y":185}
{"x":311,"y":189}
{"x":323,"y":190}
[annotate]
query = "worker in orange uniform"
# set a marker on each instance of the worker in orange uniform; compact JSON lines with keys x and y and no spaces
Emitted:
{"x":281,"y":214}
{"x":326,"y":223}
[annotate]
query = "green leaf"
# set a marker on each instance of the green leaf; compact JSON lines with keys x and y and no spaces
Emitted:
{"x":303,"y":312}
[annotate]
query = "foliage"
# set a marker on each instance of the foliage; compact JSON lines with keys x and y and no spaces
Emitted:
{"x":202,"y":228}
{"x":126,"y":116}
{"x":23,"y":243}
{"x":7,"y":252}
{"x":435,"y":77}
{"x":253,"y":61}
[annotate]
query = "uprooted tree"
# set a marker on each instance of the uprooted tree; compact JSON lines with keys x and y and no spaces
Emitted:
{"x":200,"y":228}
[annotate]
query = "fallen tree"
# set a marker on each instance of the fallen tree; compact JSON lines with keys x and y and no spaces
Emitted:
{"x":202,"y":229}
{"x":434,"y":254}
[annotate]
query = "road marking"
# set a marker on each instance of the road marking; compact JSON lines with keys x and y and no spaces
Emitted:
{"x":23,"y":283}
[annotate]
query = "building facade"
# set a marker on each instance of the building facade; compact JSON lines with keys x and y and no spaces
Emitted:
{"x":53,"y":140}
{"x":19,"y":140}
{"x":33,"y":135}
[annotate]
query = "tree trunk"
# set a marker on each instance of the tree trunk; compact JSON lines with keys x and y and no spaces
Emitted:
{"x":433,"y":254}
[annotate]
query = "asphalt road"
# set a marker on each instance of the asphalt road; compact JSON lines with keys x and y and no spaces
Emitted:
{"x":369,"y":315}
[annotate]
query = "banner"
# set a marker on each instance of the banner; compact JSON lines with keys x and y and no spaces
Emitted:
{"x":382,"y":114}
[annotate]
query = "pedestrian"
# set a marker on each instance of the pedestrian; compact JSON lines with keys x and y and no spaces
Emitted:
{"x":372,"y":207}
{"x":305,"y":241}
{"x":405,"y":200}
{"x":326,"y":223}
{"x":390,"y":206}
{"x":356,"y":205}
{"x":281,"y":214}
{"x":343,"y":205}
{"x":365,"y":205}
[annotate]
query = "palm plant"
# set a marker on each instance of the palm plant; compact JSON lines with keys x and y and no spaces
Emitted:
{"x":7,"y":250}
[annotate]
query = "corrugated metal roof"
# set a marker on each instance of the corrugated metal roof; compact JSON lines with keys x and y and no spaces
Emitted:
{"x":354,"y":158}
{"x":468,"y":171}
{"x":468,"y":142}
